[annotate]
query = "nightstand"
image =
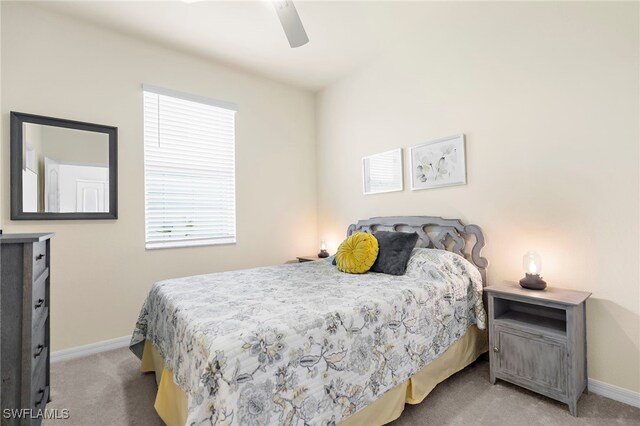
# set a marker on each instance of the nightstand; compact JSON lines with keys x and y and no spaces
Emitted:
{"x":307,"y":258}
{"x":538,"y":340}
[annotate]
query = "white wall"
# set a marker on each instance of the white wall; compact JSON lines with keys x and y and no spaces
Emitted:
{"x":548,"y":97}
{"x":70,"y":145}
{"x":101,"y":273}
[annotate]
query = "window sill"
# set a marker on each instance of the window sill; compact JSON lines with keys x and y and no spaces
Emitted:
{"x":191,"y":243}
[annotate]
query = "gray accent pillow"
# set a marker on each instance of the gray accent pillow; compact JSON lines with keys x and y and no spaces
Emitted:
{"x":394,"y":251}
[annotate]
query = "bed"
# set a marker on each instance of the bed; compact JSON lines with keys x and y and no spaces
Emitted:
{"x":307,"y":344}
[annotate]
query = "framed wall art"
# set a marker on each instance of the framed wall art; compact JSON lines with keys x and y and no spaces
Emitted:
{"x":438,"y":163}
{"x":382,"y":172}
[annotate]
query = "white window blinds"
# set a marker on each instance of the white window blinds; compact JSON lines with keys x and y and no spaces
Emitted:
{"x":189,"y":168}
{"x":382,"y":172}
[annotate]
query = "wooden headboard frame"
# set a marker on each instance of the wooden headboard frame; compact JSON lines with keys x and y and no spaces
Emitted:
{"x":433,"y":232}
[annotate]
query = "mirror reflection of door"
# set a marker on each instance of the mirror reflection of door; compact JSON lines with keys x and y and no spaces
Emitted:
{"x":75,"y":187}
{"x":91,"y":196}
{"x":51,"y":192}
{"x":29,"y":190}
{"x":71,"y":169}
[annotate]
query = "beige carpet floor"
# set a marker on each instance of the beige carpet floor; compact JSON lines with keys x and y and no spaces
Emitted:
{"x":108,"y":389}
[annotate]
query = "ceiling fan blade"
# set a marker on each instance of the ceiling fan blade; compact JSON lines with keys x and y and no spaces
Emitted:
{"x":291,"y":23}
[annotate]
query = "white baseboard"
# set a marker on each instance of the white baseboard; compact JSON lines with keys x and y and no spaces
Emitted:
{"x":614,"y":392}
{"x":90,"y":349}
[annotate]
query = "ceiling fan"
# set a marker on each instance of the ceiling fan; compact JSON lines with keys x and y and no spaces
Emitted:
{"x":289,"y":19}
{"x":291,"y":23}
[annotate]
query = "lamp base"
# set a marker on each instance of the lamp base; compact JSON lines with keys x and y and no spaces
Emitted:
{"x":533,"y":282}
{"x":323,"y":254}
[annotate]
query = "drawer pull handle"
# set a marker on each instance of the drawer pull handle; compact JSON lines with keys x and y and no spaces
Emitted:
{"x":495,"y":349}
{"x":37,"y":353}
{"x":40,"y":303}
{"x":40,"y":256}
{"x":40,"y":392}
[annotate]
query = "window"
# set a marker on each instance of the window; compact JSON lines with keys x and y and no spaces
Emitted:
{"x":189,"y":170}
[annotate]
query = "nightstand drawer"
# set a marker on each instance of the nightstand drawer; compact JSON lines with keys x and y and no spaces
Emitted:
{"x":531,"y":360}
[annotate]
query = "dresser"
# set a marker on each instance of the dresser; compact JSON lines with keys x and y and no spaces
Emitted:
{"x":538,"y":340}
{"x":24,"y":325}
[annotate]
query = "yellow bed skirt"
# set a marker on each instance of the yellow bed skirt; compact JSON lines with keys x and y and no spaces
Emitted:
{"x":171,"y":400}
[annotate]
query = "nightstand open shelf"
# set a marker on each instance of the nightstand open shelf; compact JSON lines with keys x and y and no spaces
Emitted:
{"x":528,"y":317}
{"x":538,"y":340}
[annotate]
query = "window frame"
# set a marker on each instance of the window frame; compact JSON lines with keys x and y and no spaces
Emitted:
{"x":195,"y":242}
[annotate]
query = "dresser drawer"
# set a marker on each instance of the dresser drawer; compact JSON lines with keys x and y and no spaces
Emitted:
{"x":39,"y":386}
{"x":38,"y":342}
{"x":39,"y":258}
{"x":39,"y":366}
{"x":39,"y":301}
{"x":39,"y":390}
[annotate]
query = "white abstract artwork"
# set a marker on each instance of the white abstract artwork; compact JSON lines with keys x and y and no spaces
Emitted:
{"x":438,"y":163}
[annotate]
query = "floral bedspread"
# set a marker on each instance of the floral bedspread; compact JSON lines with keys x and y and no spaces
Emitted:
{"x":305,"y":343}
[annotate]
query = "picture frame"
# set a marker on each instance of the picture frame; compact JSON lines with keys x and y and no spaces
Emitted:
{"x":383,"y":172}
{"x":438,"y":163}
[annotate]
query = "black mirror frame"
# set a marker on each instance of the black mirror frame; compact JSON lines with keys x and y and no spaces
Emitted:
{"x":17,"y":118}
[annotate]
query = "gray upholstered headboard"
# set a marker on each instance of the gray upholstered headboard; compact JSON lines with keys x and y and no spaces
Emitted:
{"x":434,"y":232}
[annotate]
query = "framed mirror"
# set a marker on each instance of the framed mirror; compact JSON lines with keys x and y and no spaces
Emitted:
{"x":62,"y":169}
{"x":382,"y":172}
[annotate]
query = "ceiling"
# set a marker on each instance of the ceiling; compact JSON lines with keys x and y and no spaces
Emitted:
{"x":247,"y":34}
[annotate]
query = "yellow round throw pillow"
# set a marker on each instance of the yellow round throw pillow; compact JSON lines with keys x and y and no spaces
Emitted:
{"x":357,"y":253}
